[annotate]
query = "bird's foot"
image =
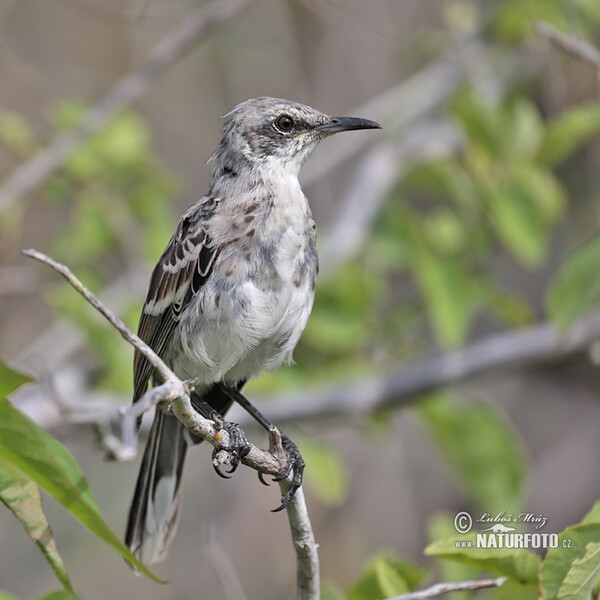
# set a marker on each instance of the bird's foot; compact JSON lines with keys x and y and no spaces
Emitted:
{"x":295,"y":468}
{"x":238,"y":447}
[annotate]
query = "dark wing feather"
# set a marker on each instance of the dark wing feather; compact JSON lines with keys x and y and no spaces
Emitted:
{"x":178,"y":276}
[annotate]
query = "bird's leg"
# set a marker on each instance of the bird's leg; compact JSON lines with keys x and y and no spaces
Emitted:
{"x":295,"y":464}
{"x":239,"y":445}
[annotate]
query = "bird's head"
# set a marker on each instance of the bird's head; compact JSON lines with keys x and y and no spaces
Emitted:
{"x":272,"y":132}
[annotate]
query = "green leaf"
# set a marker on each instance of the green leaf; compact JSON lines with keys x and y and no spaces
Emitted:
{"x":10,"y":380}
{"x":449,"y":296}
{"x":335,"y":332}
{"x":565,"y":134}
{"x":381,"y":578}
{"x":582,"y":575}
{"x":523,"y":206}
{"x":326,"y":473}
{"x":577,"y":556}
{"x":576,"y":288}
{"x":6,"y":596}
{"x":48,"y":463}
{"x":22,"y":497}
{"x":515,"y":19}
{"x":483,"y":449}
{"x":446,"y":232}
{"x":481,"y":120}
{"x":593,"y":516}
{"x":444,"y":177}
{"x":522,"y":132}
{"x":520,"y":565}
{"x":512,"y":590}
{"x":441,"y":526}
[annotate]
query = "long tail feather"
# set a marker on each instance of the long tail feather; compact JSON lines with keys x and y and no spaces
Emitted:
{"x":156,"y":503}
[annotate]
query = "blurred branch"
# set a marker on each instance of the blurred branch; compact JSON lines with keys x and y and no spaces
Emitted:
{"x":513,"y":350}
{"x":273,"y":461}
{"x":404,"y":108}
{"x":131,"y":87}
{"x":445,"y":588}
{"x":572,"y":45}
{"x":404,"y":104}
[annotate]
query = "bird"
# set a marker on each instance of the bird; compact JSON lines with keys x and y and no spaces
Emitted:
{"x":231,"y":294}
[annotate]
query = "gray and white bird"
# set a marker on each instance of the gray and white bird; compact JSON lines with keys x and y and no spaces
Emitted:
{"x":232,"y":292}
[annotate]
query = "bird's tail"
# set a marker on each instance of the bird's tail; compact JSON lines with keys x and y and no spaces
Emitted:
{"x":156,"y":503}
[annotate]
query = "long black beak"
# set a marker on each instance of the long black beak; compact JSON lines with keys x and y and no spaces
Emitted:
{"x":337,"y":124}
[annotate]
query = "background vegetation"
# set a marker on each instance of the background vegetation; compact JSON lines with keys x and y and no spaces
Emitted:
{"x":475,"y":212}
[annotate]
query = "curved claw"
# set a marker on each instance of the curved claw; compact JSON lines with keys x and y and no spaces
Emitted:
{"x":286,"y":499}
{"x":284,"y":476}
{"x":295,"y":466}
{"x":238,"y":449}
{"x":233,"y":469}
{"x":220,"y":473}
{"x":261,"y":478}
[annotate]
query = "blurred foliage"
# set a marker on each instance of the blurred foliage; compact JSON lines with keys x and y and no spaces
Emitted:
{"x":576,"y":288}
{"x":118,"y":214}
{"x":326,"y":474}
{"x":483,"y":449}
{"x":514,"y":20}
{"x":385,"y":576}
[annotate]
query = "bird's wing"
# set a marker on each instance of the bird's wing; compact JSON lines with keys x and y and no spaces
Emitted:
{"x":178,"y":276}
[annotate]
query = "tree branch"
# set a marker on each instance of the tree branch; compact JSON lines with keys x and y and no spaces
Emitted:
{"x":131,"y":87}
{"x":511,"y":350}
{"x":514,"y":350}
{"x":444,"y":588}
{"x":273,"y":461}
{"x":572,"y":45}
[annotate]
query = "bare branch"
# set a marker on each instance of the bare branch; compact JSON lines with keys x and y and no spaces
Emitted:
{"x":571,"y":44}
{"x":444,"y":588}
{"x":130,"y":88}
{"x":273,"y":461}
{"x":307,"y":558}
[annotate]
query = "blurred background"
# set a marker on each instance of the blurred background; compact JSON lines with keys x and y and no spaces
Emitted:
{"x":470,"y":217}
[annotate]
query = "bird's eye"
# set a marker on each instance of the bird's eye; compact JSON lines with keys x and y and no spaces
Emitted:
{"x":284,"y":123}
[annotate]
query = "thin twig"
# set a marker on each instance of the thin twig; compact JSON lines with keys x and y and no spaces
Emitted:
{"x":130,"y":88}
{"x":571,"y":44}
{"x":444,"y":588}
{"x":307,"y":558}
{"x":177,"y":393}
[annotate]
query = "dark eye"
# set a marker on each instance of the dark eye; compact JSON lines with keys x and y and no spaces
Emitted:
{"x":284,"y":123}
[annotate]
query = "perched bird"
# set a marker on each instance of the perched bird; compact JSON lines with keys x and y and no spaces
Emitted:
{"x":231,"y":294}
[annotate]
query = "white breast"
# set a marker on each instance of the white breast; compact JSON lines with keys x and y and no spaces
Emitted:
{"x":254,"y":307}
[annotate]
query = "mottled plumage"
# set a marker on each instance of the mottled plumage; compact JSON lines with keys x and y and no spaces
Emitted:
{"x":233,"y":290}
